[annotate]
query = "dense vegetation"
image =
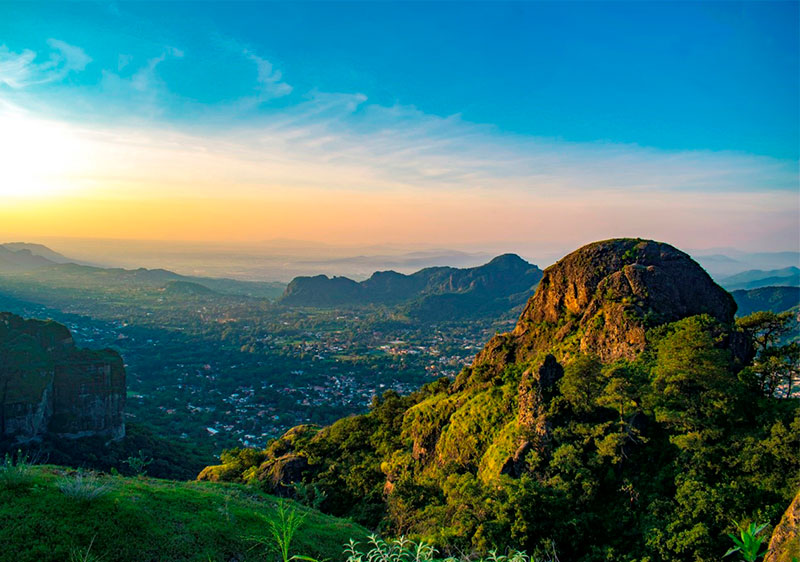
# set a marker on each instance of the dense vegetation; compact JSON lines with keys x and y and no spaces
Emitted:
{"x":55,"y":514}
{"x":652,"y":459}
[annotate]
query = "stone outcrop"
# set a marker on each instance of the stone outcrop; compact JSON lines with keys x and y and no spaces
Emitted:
{"x":603,"y":297}
{"x":49,"y":386}
{"x":784,"y":546}
{"x":279,"y":475}
{"x":536,"y":389}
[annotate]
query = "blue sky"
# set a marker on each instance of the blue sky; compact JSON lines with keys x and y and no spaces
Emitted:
{"x":719,"y":76}
{"x":594,"y":99}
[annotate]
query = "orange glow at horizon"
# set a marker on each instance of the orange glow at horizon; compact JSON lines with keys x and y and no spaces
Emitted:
{"x":58,"y":180}
{"x":338,"y":216}
{"x":348,"y":217}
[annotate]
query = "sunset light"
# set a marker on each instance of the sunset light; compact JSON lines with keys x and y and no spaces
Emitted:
{"x":39,"y":159}
{"x":400,"y":281}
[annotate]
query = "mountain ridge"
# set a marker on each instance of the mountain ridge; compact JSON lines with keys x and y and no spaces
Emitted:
{"x":429,"y":292}
{"x":758,"y":278}
{"x":23,"y":261}
{"x":38,"y":250}
{"x":773,"y":299}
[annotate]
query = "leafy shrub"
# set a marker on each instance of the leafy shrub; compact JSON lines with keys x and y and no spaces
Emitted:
{"x":139,"y":463}
{"x":83,"y":486}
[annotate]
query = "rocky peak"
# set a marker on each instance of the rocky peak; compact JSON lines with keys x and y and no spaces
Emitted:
{"x":601,"y":299}
{"x":49,"y":386}
{"x":509,"y":261}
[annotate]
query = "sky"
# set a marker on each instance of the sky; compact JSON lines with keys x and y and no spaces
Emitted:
{"x":461,"y":124}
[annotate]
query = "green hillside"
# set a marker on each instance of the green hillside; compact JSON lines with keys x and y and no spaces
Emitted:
{"x":774,"y":299}
{"x":47,"y":514}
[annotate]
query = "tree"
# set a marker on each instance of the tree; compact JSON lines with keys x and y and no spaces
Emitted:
{"x":582,"y":382}
{"x":765,"y":328}
{"x":776,"y":366}
{"x":692,"y":380}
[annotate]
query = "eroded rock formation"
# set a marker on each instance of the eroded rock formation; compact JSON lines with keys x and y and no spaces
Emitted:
{"x":49,"y":386}
{"x":601,"y":299}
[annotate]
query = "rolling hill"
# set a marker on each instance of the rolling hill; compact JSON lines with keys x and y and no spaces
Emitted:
{"x":757,"y":278}
{"x":62,"y":514}
{"x":19,"y":262}
{"x":774,"y":299}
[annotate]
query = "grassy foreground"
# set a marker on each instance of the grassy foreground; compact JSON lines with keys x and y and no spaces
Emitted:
{"x":50,"y":513}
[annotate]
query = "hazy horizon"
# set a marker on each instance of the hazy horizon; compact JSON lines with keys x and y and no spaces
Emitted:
{"x":282,"y":259}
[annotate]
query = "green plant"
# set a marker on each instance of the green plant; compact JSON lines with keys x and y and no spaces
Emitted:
{"x":15,"y":471}
{"x":396,"y":550}
{"x":309,"y":495}
{"x":282,"y":530}
{"x":82,"y":486}
{"x":748,"y":544}
{"x":139,"y":463}
{"x":513,"y":556}
{"x":405,"y":550}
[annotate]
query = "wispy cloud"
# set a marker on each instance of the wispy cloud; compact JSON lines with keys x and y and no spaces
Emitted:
{"x":268,"y":84}
{"x":340,"y":141}
{"x":19,"y":70}
{"x":269,"y":79}
{"x":143,"y":89}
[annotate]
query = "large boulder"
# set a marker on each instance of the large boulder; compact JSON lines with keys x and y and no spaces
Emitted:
{"x":278,"y":476}
{"x":602,"y":298}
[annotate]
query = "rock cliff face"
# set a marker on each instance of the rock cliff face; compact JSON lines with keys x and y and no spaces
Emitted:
{"x":784,"y":545}
{"x":601,"y":299}
{"x":49,"y":386}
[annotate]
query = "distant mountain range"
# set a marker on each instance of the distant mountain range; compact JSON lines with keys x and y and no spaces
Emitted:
{"x":726,"y":262}
{"x":46,"y":265}
{"x":429,"y":294}
{"x":757,"y":278}
{"x":36,"y":250}
{"x":432,"y":293}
